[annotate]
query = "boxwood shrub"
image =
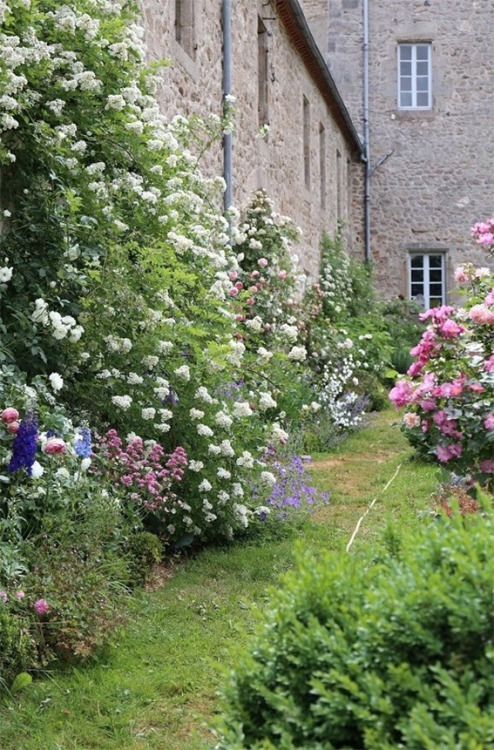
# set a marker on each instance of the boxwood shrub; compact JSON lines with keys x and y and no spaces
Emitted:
{"x":389,"y":651}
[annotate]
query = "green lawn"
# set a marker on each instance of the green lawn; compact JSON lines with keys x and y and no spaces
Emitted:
{"x":158,"y":689}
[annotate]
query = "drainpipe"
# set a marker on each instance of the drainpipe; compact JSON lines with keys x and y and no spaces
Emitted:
{"x":227,"y":90}
{"x":368,"y":169}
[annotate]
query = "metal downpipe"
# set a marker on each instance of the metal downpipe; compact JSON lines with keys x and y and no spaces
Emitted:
{"x":227,"y":90}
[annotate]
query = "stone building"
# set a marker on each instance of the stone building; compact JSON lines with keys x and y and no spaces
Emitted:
{"x":310,"y":163}
{"x":430,"y":125}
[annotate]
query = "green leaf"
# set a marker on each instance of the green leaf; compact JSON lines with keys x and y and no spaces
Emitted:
{"x":22,"y":681}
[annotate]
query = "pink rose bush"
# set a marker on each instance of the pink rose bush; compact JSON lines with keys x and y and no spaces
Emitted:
{"x":449,"y":389}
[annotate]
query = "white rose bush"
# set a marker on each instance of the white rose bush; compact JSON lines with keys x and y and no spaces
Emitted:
{"x":155,"y":355}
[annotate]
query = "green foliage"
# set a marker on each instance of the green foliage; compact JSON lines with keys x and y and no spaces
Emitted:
{"x":376,"y":653}
{"x":17,"y":647}
{"x":144,"y":551}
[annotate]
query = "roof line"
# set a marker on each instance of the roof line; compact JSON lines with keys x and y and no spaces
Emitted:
{"x":293,"y":18}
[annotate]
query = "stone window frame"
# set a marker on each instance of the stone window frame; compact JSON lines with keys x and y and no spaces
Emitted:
{"x":414,"y":62}
{"x":306,"y":140}
{"x":185,"y":25}
{"x":262,"y":72}
{"x":426,"y":270}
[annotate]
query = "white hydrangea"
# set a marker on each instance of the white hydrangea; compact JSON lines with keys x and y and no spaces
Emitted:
{"x":242,"y":409}
{"x":203,"y":395}
{"x":205,"y":486}
{"x":246,"y":460}
{"x":297,"y":353}
{"x":196,"y":414}
{"x":266,"y":401}
{"x":223,"y":420}
{"x":183,"y":372}
{"x":148,"y":413}
{"x":123,"y":402}
{"x":204,"y":430}
{"x":267,"y":477}
{"x":196,"y":465}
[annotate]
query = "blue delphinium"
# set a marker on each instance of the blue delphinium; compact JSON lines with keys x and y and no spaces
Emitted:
{"x":25,"y":444}
{"x":82,"y":445}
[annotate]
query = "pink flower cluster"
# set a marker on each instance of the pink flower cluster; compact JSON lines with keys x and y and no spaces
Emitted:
{"x":148,"y":473}
{"x":483,"y":232}
{"x":447,"y":392}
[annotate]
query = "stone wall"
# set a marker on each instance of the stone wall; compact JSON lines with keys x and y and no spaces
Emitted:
{"x":438,"y":179}
{"x":193,"y":83}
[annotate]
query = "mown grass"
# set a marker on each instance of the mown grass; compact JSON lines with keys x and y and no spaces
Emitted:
{"x":159,"y":688}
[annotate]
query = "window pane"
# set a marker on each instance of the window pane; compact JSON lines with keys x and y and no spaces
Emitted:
{"x":435,"y":261}
{"x":406,"y":83}
{"x":422,"y":83}
{"x":417,"y":289}
{"x":417,"y":261}
{"x":422,"y":51}
{"x":405,"y":51}
{"x":435,"y":290}
{"x":422,"y":100}
{"x":422,"y":68}
{"x":435,"y":302}
{"x":417,"y":275}
{"x":406,"y":68}
{"x":405,"y":99}
{"x":436,"y":275}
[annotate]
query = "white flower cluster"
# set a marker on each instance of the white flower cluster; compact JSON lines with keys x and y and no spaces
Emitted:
{"x":62,"y":326}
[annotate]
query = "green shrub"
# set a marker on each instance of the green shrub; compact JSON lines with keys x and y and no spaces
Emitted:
{"x":17,"y":650}
{"x":384,"y":653}
{"x":144,"y":551}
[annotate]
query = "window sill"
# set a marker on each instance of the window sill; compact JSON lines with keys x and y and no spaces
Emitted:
{"x":179,"y":55}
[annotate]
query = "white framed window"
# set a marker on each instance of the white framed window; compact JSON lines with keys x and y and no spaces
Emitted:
{"x":427,"y":279}
{"x":415,"y":76}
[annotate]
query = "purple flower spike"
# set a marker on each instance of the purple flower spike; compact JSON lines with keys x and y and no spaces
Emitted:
{"x":25,"y":444}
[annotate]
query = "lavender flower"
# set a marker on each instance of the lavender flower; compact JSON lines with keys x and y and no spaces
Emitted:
{"x":25,"y":444}
{"x":83,"y":443}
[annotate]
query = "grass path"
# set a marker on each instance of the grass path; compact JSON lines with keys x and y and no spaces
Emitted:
{"x":158,"y":689}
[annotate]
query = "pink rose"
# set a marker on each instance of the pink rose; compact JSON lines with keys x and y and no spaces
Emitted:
{"x":262,"y":262}
{"x":9,"y":415}
{"x":239,"y":285}
{"x":232,"y":275}
{"x":282,"y":275}
{"x":401,"y":394}
{"x":54,"y":446}
{"x":411,"y":420}
{"x":489,"y":421}
{"x":19,"y":595}
{"x":13,"y":427}
{"x":233,"y":291}
{"x":481,"y":314}
{"x":250,"y":301}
